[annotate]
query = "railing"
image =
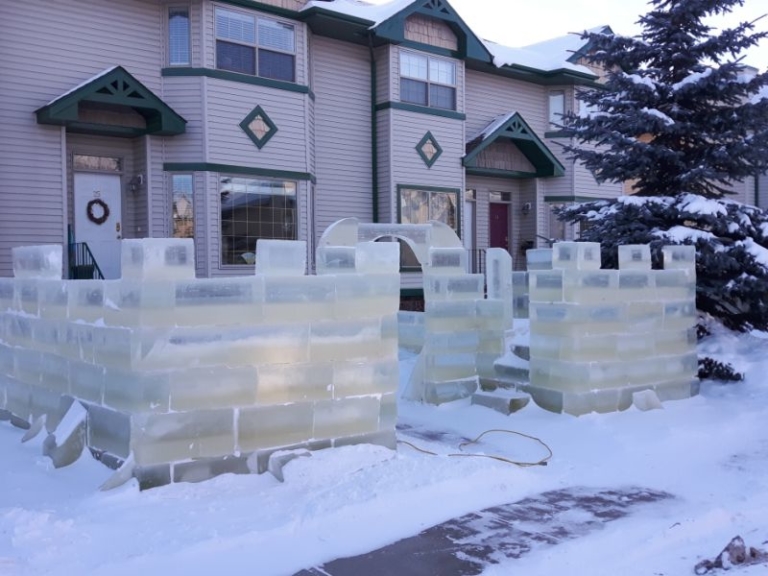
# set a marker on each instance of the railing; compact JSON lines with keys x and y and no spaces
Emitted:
{"x":477,"y":261}
{"x":82,"y":264}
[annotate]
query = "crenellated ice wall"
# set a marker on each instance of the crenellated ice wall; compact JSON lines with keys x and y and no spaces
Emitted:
{"x":187,"y":378}
{"x":598,"y":336}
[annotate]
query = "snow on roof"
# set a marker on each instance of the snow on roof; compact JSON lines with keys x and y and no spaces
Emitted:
{"x":376,"y":13}
{"x":495,"y":124}
{"x":83,"y":83}
{"x":546,"y":56}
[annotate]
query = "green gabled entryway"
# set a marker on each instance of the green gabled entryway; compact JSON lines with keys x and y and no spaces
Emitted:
{"x":514,"y":128}
{"x":113,"y":90}
{"x":470,"y":46}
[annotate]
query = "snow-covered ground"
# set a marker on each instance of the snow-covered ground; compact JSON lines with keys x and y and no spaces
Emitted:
{"x":711,"y":452}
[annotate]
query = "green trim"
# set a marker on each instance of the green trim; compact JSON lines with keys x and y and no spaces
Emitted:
{"x":235,"y":77}
{"x":268,"y":8}
{"x":572,"y":199}
{"x":245,"y":125}
{"x":232,"y":169}
{"x":558,"y":134}
{"x":409,"y":292}
{"x":500,"y":173}
{"x":516,"y":129}
{"x":428,"y":188}
{"x":421,"y":110}
{"x":421,"y":47}
{"x":115,"y":87}
{"x":419,"y":148}
{"x":374,"y":135}
{"x":470,"y":46}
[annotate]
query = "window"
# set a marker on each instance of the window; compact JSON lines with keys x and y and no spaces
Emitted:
{"x":421,"y":206}
{"x":251,"y":209}
{"x":178,"y":37}
{"x":556,"y":108}
{"x":96,"y":163}
{"x":257,"y":46}
{"x":182,"y":206}
{"x":427,"y":81}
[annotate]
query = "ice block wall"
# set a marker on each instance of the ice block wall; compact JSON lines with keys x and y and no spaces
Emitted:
{"x":598,"y":336}
{"x":187,"y":378}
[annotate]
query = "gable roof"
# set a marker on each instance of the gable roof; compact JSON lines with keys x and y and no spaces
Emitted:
{"x":113,"y":87}
{"x":568,"y":48}
{"x":513,"y":127}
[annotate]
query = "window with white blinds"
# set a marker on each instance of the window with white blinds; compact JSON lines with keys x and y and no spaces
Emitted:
{"x":254,"y":45}
{"x":178,"y":37}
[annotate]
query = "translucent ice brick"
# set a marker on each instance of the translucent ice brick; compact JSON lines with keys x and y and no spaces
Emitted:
{"x":53,"y":299}
{"x":134,"y":391}
{"x":298,"y":298}
{"x":274,"y":426}
{"x":109,"y":431}
{"x":447,"y":261}
{"x":44,"y":262}
{"x":419,"y":235}
{"x":636,"y":285}
{"x":26,"y":365}
{"x":335,"y":259}
{"x":679,"y":257}
{"x":635,"y":257}
{"x":54,"y":373}
{"x":545,"y":285}
{"x":440,"y":366}
{"x":346,"y":417}
{"x":490,"y":315}
{"x":377,"y":258}
{"x":281,"y":257}
{"x":87,"y":381}
{"x":410,"y":330}
{"x":346,"y":340}
{"x":340,"y":233}
{"x":454,"y":287}
{"x":6,"y":294}
{"x":591,"y":286}
{"x":158,"y":259}
{"x":283,"y":383}
{"x":212,"y":387}
{"x":86,"y":301}
{"x":149,"y":303}
{"x":675,"y":284}
{"x":448,"y":316}
{"x":675,"y":341}
{"x":366,"y":295}
{"x":219,"y":301}
{"x":26,"y":296}
{"x":354,"y":378}
{"x":576,"y":256}
{"x":160,"y":438}
{"x":388,"y":412}
{"x":498,"y":271}
{"x":679,"y":315}
{"x":636,"y":346}
{"x":539,"y":259}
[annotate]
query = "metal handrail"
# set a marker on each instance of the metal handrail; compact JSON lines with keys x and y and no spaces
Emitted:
{"x":82,"y":264}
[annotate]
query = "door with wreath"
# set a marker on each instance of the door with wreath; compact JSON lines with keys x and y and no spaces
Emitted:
{"x":98,"y":219}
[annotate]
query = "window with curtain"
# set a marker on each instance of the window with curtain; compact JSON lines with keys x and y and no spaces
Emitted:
{"x":556,"y":108}
{"x":255,"y":45}
{"x":182,"y":206}
{"x":178,"y":37}
{"x":421,"y":206}
{"x":427,"y":81}
{"x":253,"y":208}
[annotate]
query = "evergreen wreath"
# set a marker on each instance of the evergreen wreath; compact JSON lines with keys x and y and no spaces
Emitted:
{"x":98,"y":220}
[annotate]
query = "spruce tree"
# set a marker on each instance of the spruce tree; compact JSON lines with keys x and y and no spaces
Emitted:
{"x":675,"y":113}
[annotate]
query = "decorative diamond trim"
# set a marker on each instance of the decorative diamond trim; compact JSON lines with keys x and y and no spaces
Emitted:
{"x":429,"y":149}
{"x":259,"y":127}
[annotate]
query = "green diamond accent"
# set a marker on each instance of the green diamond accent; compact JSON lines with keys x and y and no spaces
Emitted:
{"x":429,"y":149}
{"x":259,"y":127}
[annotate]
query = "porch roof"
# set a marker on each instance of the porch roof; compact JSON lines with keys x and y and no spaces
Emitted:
{"x":114,"y":88}
{"x":514,"y":128}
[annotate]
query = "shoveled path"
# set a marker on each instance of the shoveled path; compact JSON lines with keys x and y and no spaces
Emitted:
{"x":464,"y":546}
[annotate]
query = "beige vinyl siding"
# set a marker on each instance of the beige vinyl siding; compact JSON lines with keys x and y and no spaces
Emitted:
{"x":384,"y":88}
{"x":343,"y":132}
{"x":185,"y":95}
{"x":202,"y":215}
{"x":762,"y":190}
{"x":228,"y":103}
{"x":209,"y":41}
{"x":490,"y":96}
{"x":41,"y":59}
{"x":408,"y":167}
{"x":560,"y":186}
{"x":157,"y":190}
{"x":138,"y":200}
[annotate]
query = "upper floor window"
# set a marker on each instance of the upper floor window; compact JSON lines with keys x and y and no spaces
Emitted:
{"x":427,"y":81}
{"x":556,"y":108}
{"x":258,"y":46}
{"x":178,"y":36}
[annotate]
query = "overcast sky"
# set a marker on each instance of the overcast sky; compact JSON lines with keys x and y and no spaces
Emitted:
{"x":521,"y":22}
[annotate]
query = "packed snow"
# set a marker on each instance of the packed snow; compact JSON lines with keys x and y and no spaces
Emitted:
{"x":710,"y":452}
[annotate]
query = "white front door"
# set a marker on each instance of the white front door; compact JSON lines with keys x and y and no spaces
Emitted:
{"x":98,"y":219}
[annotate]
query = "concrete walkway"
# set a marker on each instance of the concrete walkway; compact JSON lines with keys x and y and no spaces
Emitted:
{"x":464,"y":546}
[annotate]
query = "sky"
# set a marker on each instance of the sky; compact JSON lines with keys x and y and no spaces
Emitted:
{"x":522,"y":22}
